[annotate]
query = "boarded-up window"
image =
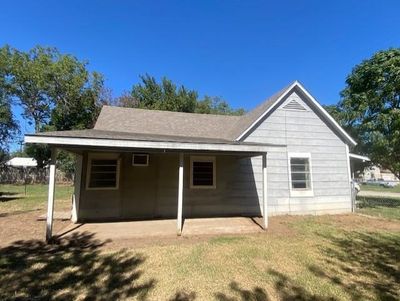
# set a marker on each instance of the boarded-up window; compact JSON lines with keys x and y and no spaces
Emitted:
{"x":202,"y":172}
{"x":103,"y":173}
{"x":300,"y":173}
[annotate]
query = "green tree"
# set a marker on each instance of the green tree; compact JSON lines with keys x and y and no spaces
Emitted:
{"x":8,"y":125}
{"x":370,"y":105}
{"x":216,"y":105}
{"x":166,"y":96}
{"x":163,"y":96}
{"x":56,"y":91}
{"x":27,"y":80}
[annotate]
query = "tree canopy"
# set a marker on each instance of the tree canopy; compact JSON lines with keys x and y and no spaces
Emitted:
{"x":370,"y":106}
{"x":56,"y":91}
{"x":167,"y":96}
{"x":8,"y":125}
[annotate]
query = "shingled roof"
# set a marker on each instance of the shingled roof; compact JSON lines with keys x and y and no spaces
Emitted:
{"x":179,"y":125}
{"x":165,"y":123}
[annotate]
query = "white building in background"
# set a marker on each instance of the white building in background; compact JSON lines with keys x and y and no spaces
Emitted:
{"x":22,"y":162}
{"x":376,"y":173}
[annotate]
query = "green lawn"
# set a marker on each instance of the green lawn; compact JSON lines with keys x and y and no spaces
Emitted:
{"x":369,"y":187}
{"x":338,"y":257}
{"x":13,"y":197}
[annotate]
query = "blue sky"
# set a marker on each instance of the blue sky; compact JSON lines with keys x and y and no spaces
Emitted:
{"x":243,"y":51}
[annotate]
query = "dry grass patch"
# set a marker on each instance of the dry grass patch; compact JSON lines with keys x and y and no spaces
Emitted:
{"x":323,"y":261}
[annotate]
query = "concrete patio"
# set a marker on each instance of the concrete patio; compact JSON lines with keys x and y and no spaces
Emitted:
{"x":163,"y":228}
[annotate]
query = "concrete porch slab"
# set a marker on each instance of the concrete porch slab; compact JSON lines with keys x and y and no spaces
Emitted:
{"x":164,"y":228}
{"x":222,"y":225}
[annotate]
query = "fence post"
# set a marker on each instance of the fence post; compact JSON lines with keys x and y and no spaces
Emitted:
{"x":353,"y":197}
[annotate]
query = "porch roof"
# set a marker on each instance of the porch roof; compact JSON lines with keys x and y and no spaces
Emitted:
{"x":114,"y":139}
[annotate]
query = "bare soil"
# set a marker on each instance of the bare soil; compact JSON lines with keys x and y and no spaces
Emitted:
{"x":24,"y":226}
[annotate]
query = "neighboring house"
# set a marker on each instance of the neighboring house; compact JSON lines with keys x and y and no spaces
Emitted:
{"x":376,"y":173}
{"x":287,"y":156}
{"x":22,"y":162}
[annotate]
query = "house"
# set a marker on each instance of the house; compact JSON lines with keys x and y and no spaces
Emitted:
{"x":287,"y":156}
{"x":377,"y":173}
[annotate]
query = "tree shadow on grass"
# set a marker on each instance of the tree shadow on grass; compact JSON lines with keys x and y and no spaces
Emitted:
{"x":285,"y":288}
{"x":183,"y":296}
{"x":365,"y":265}
{"x":289,"y":291}
{"x":256,"y":294}
{"x":68,"y":270}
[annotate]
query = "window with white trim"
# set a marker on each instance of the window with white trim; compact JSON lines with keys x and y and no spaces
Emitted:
{"x":103,"y":172}
{"x":300,"y":174}
{"x":202,"y":172}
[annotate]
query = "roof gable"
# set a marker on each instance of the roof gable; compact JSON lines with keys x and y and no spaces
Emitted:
{"x":265,"y":109}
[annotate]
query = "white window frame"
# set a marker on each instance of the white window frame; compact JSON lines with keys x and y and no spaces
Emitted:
{"x":138,"y":154}
{"x":203,"y":159}
{"x":104,"y":156}
{"x":295,"y":192}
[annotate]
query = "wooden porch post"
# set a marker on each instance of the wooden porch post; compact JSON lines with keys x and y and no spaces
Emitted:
{"x":265,"y":190}
{"x":77,"y":188}
{"x":180,"y":195}
{"x":50,"y":199}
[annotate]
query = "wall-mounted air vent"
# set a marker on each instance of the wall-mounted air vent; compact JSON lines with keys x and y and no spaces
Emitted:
{"x":294,"y":105}
{"x":140,"y":160}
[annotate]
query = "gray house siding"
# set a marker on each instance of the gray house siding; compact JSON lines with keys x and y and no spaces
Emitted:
{"x":151,"y":191}
{"x":303,"y":132}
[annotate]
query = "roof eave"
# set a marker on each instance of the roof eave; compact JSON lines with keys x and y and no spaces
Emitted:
{"x":143,"y":144}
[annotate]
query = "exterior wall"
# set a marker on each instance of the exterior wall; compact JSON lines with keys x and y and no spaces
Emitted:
{"x":152,"y":191}
{"x":303,"y":131}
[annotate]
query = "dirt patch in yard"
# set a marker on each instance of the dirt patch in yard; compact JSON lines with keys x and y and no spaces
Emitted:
{"x":24,"y":226}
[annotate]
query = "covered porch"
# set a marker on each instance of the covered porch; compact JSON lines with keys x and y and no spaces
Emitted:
{"x":177,"y":192}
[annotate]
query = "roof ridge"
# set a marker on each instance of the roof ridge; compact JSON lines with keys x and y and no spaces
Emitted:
{"x":170,"y":112}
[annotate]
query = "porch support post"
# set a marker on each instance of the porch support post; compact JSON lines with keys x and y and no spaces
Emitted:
{"x":264,"y":191}
{"x":180,"y":195}
{"x":77,"y":188}
{"x":50,"y":199}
